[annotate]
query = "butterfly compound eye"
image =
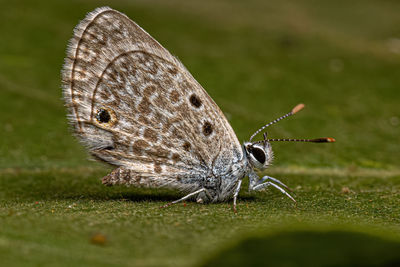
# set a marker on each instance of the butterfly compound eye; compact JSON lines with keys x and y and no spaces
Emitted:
{"x":259,"y":154}
{"x":103,"y":116}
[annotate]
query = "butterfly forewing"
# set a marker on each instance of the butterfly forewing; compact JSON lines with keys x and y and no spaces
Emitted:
{"x":134,"y":105}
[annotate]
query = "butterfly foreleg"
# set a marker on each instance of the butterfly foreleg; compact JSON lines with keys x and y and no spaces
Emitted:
{"x":236,"y":193}
{"x":259,"y":184}
{"x":253,"y":180}
{"x":266,"y":177}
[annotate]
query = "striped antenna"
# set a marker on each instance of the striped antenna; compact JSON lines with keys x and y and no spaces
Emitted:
{"x":293,"y":111}
{"x":316,"y":140}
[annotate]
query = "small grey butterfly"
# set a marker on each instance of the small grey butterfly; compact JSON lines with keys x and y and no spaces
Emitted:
{"x":136,"y":107}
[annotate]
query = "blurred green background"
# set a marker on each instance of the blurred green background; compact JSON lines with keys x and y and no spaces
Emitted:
{"x":257,"y":59}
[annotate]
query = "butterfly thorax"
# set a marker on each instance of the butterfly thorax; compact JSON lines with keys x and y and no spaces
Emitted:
{"x":220,"y":186}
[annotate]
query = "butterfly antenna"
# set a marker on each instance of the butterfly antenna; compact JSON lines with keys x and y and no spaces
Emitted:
{"x":316,"y":140}
{"x":293,"y":111}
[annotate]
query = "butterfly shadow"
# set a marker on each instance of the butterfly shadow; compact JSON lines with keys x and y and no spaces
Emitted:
{"x":135,"y":194}
{"x":55,"y":186}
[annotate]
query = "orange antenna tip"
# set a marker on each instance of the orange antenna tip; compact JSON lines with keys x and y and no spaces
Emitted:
{"x":297,"y":108}
{"x":323,"y":140}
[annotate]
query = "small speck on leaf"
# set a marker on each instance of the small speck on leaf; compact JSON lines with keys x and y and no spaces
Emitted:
{"x":345,"y":190}
{"x":98,"y":239}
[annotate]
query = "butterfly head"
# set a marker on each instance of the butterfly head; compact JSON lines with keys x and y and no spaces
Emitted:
{"x":259,"y":154}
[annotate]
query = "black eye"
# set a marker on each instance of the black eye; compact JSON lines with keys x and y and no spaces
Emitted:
{"x":258,"y":154}
{"x":103,"y":116}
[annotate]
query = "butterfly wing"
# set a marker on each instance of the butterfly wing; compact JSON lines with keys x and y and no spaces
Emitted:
{"x":136,"y":106}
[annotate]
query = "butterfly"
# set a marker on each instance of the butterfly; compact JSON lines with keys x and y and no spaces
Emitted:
{"x":135,"y":106}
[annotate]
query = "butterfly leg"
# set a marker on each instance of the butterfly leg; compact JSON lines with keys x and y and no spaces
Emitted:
{"x":266,"y":177}
{"x":261,"y":185}
{"x":184,"y":198}
{"x":253,"y":180}
{"x":236,"y":194}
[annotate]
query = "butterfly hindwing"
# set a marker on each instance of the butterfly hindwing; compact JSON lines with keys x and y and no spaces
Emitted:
{"x":136,"y":106}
